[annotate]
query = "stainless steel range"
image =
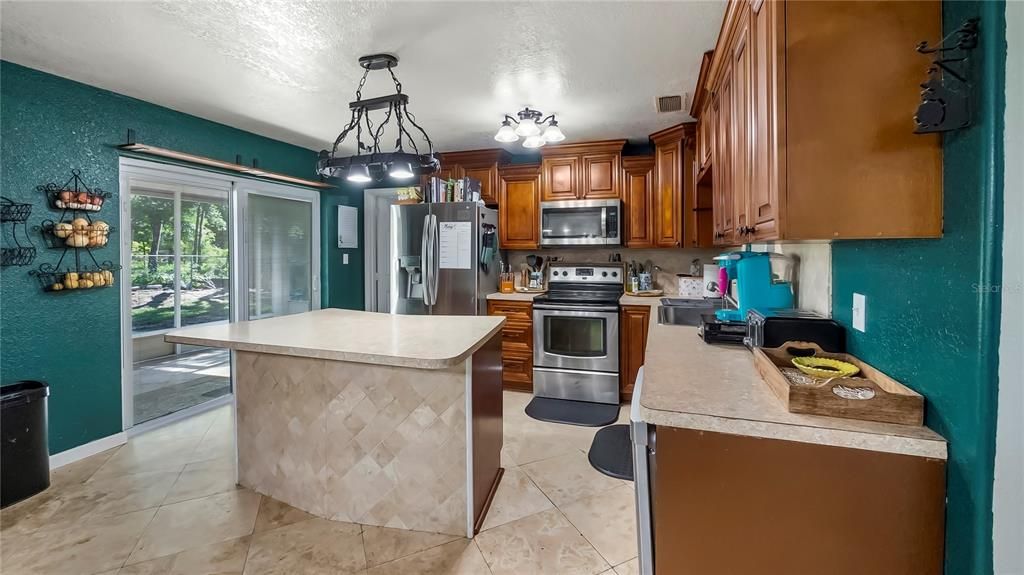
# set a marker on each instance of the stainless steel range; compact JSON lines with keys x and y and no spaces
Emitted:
{"x":576,"y":334}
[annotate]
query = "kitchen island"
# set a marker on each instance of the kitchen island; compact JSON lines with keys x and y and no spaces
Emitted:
{"x":379,"y":419}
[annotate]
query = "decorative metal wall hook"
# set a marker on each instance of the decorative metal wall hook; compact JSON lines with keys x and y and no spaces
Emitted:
{"x":946,"y":95}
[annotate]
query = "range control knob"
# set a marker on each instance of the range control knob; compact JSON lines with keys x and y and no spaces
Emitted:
{"x":615,"y":274}
{"x":564,"y":273}
{"x":604,"y":274}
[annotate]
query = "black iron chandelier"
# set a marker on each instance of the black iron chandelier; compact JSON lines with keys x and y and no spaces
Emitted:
{"x":529,"y":127}
{"x":370,"y":163}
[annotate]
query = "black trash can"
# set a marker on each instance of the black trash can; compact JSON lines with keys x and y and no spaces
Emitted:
{"x":24,"y":456}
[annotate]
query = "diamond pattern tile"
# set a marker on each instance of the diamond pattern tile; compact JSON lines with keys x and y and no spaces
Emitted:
{"x":351,"y":442}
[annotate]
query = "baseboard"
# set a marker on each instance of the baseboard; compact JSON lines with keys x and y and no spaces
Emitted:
{"x":92,"y":448}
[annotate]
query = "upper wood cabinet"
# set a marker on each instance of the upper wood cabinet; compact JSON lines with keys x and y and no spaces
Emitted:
{"x":560,"y":179}
{"x":700,"y":108}
{"x":740,"y":148}
{"x":670,"y":206}
{"x":519,"y":207}
{"x":763,"y":194}
{"x":587,"y":171}
{"x":637,"y":201}
{"x":846,"y":164}
{"x":480,"y":165}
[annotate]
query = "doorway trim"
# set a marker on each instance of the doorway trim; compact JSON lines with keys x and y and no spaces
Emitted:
{"x":373,"y":200}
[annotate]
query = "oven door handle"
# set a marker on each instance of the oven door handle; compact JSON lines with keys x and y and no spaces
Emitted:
{"x":554,"y":307}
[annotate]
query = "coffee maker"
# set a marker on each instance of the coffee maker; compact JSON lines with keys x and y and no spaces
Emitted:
{"x":748,"y":280}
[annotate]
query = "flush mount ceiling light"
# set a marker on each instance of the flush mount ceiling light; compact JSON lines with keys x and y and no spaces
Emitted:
{"x":529,"y":126}
{"x":370,"y":162}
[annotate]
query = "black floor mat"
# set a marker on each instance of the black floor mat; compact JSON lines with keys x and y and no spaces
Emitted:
{"x":611,"y":452}
{"x":572,"y":412}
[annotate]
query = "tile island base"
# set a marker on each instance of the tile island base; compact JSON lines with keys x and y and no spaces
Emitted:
{"x":376,"y":443}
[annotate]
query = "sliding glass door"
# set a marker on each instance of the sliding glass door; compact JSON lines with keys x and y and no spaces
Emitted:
{"x":203,"y":249}
{"x":279,"y":246}
{"x":180,"y":276}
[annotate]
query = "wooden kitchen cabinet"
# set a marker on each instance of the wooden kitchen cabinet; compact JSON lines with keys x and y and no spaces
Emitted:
{"x":634,"y":321}
{"x":762,"y":207}
{"x":796,"y":507}
{"x":670,"y":207}
{"x":519,"y":207}
{"x":482,"y":165}
{"x":740,"y":146}
{"x":516,"y":344}
{"x":637,"y":201}
{"x":560,"y":180}
{"x":588,"y":171}
{"x":846,"y":164}
{"x":701,"y":109}
{"x":600,"y":176}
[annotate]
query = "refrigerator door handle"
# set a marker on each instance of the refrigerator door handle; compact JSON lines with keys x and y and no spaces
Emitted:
{"x":435,"y":260}
{"x":425,"y":259}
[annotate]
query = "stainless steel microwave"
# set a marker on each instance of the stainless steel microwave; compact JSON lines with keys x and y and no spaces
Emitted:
{"x":581,"y":223}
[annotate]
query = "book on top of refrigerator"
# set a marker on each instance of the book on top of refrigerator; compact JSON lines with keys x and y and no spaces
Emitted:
{"x":443,"y":191}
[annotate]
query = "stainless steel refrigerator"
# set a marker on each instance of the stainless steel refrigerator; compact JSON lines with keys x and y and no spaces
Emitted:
{"x":444,"y":258}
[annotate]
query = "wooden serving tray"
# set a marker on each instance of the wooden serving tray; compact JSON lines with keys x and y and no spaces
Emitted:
{"x":891,"y":401}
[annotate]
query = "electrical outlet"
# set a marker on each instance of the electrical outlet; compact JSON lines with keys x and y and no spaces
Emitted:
{"x":344,"y":260}
{"x":860,"y":306}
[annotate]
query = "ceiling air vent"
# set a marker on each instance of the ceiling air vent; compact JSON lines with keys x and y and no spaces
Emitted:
{"x":670,"y":104}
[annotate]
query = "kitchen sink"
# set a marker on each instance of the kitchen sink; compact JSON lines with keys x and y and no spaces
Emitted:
{"x":680,"y":311}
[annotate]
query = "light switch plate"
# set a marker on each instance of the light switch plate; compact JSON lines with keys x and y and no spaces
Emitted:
{"x":344,"y":259}
{"x":859,"y":311}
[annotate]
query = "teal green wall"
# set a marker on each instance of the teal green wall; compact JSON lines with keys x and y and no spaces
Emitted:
{"x":930,"y":323}
{"x":49,"y":126}
{"x":341,"y":285}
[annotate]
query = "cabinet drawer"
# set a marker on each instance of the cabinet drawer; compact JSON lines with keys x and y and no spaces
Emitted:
{"x":517,"y":366}
{"x":513,"y":310}
{"x":517,"y":333}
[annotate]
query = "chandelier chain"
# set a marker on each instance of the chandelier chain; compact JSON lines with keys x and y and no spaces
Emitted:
{"x":370,"y":161}
{"x":398,"y":85}
{"x":362,"y":82}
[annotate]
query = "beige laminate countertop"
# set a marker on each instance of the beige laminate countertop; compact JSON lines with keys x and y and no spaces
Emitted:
{"x":692,"y":385}
{"x":416,"y":341}
{"x":517,"y":296}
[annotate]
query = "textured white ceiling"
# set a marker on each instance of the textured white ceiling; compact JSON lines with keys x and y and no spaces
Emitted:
{"x":287,"y":69}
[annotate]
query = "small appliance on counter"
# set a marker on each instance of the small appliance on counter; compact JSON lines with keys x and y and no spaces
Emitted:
{"x":774,"y":328}
{"x":714,"y":330}
{"x":755,"y":280}
{"x":747,"y":280}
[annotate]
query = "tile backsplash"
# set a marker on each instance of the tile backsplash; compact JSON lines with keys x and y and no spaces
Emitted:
{"x":813,"y":277}
{"x":813,"y":273}
{"x":671,"y":261}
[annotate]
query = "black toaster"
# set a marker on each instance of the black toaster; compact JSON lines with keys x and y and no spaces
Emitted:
{"x":775,"y":327}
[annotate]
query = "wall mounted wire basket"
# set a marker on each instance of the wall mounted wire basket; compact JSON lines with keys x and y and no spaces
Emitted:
{"x":13,"y":216}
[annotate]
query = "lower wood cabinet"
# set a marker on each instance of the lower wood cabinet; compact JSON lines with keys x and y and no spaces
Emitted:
{"x":633,"y":323}
{"x":517,"y":343}
{"x":792,"y":507}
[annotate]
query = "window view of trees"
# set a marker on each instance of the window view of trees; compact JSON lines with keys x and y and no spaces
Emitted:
{"x":204,"y":261}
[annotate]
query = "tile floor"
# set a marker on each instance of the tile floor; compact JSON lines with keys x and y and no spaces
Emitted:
{"x":166,"y":503}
